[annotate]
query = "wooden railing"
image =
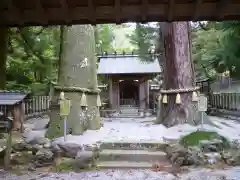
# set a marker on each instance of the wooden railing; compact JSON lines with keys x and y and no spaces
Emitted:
{"x":36,"y":104}
{"x":204,"y":85}
{"x":225,"y":101}
{"x":129,"y":101}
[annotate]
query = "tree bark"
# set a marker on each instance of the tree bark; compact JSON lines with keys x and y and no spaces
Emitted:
{"x":77,"y":44}
{"x":178,"y":74}
{"x":3,"y":56}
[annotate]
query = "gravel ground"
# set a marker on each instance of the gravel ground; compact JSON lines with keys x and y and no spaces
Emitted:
{"x":195,"y":174}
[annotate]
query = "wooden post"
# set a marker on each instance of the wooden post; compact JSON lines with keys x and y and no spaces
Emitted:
{"x":22,"y":116}
{"x":7,"y":157}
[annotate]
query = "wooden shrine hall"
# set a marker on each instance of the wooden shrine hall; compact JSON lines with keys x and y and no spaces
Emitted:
{"x":128,"y":79}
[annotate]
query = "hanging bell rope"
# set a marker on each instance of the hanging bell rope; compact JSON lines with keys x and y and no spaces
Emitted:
{"x":83,"y":100}
{"x":178,"y":99}
{"x":99,"y":103}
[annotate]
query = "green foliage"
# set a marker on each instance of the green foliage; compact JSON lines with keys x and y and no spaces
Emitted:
{"x":33,"y":52}
{"x":104,"y":37}
{"x":194,"y":138}
{"x":65,"y":165}
{"x":144,"y":38}
{"x":216,"y":48}
{"x":205,"y":47}
{"x":33,"y":56}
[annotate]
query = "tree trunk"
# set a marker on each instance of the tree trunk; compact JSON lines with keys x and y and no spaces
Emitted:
{"x":3,"y":56}
{"x":77,"y":44}
{"x":178,"y":74}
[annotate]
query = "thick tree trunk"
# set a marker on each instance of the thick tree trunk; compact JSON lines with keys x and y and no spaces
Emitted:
{"x":78,"y":44}
{"x":178,"y":74}
{"x":3,"y":56}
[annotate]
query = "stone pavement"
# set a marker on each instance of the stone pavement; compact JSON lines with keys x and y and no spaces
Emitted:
{"x":194,"y":174}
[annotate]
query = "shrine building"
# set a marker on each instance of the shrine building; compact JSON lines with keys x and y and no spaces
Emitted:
{"x":128,"y":78}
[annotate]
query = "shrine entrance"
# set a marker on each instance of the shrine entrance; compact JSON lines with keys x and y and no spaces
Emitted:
{"x":129,"y":92}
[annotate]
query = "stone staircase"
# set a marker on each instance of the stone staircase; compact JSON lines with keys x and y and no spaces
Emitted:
{"x":127,"y":111}
{"x":132,"y":155}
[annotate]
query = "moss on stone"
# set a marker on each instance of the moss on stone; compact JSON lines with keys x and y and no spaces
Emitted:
{"x":194,"y":138}
{"x":56,"y":129}
{"x":65,"y":165}
{"x":69,"y":164}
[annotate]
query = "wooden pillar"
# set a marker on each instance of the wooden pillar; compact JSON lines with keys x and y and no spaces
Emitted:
{"x":110,"y":91}
{"x":142,"y":104}
{"x":3,"y":55}
{"x":117,"y":95}
{"x":146,"y":94}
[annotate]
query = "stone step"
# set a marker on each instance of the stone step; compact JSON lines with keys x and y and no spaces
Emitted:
{"x":129,"y":116}
{"x":134,"y":145}
{"x":128,"y":106}
{"x":128,"y":165}
{"x":128,"y":112}
{"x":132,"y":155}
{"x":124,"y":164}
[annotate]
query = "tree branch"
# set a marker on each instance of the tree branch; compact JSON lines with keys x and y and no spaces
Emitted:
{"x":202,"y":26}
{"x":40,"y":31}
{"x":35,"y":53}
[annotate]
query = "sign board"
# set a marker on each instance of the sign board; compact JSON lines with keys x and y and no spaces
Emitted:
{"x":202,"y":103}
{"x":65,"y":106}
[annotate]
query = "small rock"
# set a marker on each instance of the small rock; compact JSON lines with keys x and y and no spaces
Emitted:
{"x":43,"y":157}
{"x":84,"y":159}
{"x":22,"y":146}
{"x":31,"y":137}
{"x":37,"y":147}
{"x":179,"y":161}
{"x":195,"y":157}
{"x":47,"y":145}
{"x":176,"y":148}
{"x":31,"y":168}
{"x":231,"y":157}
{"x":214,"y":145}
{"x":42,"y":141}
{"x":212,"y":158}
{"x":226,"y":155}
{"x":235,"y":144}
{"x":69,"y":149}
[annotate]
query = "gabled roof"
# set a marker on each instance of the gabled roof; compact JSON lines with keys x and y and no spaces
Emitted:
{"x":11,"y":98}
{"x":127,"y":64}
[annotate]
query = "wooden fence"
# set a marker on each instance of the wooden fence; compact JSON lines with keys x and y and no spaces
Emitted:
{"x":225,"y":101}
{"x":36,"y":104}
